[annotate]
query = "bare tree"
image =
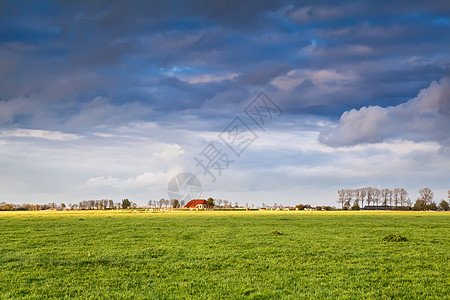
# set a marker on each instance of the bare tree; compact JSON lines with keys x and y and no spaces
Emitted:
{"x":341,"y":200}
{"x":370,"y":193}
{"x":376,"y":196}
{"x":426,"y":195}
{"x":409,"y":202}
{"x":356,"y":195}
{"x":396,"y":194}
{"x":362,"y":194}
{"x":348,"y":197}
{"x":91,"y":204}
{"x":385,"y":196}
{"x":403,"y":196}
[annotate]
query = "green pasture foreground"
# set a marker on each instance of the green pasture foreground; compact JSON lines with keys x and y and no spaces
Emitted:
{"x":218,"y":255}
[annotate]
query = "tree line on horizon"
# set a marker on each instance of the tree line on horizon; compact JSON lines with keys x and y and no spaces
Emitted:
{"x":348,"y":199}
{"x":103,"y":204}
{"x":393,"y":198}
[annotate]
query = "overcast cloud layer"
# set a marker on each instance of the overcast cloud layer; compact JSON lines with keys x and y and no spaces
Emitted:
{"x":106,"y":99}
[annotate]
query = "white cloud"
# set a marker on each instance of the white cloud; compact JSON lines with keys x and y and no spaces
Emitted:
{"x":209,"y":77}
{"x":424,"y":118}
{"x":40,"y":134}
{"x":137,"y":161}
{"x":144,"y":180}
{"x":134,"y":160}
{"x":325,"y":78}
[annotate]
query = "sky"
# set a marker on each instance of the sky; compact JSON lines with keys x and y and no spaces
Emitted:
{"x":263,"y":101}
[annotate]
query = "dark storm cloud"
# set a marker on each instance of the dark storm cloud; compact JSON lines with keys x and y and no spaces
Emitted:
{"x":263,"y":74}
{"x":177,"y":56}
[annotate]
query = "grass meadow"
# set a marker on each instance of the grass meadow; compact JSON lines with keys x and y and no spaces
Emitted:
{"x":216,"y":255}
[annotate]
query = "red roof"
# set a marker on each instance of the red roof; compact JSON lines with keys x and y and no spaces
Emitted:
{"x":194,"y":202}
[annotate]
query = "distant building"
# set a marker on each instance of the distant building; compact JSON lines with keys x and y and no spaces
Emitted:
{"x":386,"y":207}
{"x":197,"y":203}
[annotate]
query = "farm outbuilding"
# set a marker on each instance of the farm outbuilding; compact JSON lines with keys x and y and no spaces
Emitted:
{"x":386,"y":207}
{"x":197,"y":203}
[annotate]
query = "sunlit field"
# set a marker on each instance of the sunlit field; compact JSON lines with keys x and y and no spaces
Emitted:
{"x":256,"y":255}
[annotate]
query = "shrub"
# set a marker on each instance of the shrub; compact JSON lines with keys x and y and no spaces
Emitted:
{"x":126,"y":203}
{"x":432,"y":206}
{"x":210,"y":203}
{"x":175,"y":203}
{"x":394,"y":238}
{"x":444,"y":205}
{"x":419,"y":205}
{"x":276,"y":233}
{"x":300,"y":207}
{"x":355,"y":207}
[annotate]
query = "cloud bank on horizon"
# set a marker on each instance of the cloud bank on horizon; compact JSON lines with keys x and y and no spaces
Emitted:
{"x":109,"y":99}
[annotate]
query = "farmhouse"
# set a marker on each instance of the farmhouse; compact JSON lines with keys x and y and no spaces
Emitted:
{"x":197,"y":203}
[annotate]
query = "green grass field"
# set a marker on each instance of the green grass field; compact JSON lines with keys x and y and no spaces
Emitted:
{"x":214,"y":255}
